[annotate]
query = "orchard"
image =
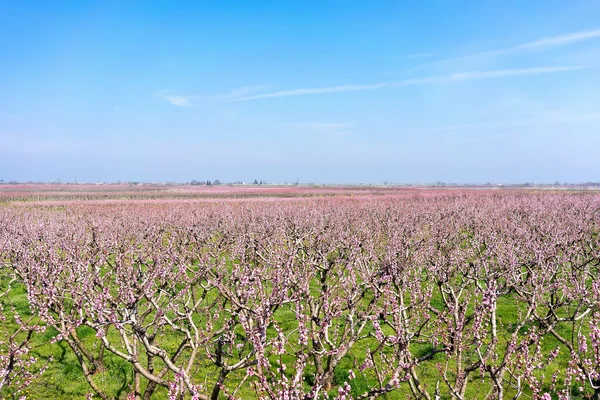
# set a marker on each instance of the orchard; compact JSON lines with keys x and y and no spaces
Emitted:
{"x":440,"y":294}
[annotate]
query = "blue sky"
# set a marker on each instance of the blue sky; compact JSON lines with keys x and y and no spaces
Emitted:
{"x":322,"y":91}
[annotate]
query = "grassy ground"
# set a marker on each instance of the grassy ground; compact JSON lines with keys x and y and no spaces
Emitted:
{"x":64,"y":378}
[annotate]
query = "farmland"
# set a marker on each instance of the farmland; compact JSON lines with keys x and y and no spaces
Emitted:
{"x":298,"y":293}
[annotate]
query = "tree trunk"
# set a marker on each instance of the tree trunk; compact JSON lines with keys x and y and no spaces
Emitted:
{"x":217,"y":387}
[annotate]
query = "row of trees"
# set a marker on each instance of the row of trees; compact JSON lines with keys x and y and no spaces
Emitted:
{"x":444,"y":296}
{"x":217,"y":182}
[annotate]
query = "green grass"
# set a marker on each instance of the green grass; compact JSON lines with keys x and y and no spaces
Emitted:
{"x":64,"y":378}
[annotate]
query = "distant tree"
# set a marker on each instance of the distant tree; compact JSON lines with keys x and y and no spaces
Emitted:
{"x":255,"y":182}
{"x":208,"y":183}
{"x":216,"y":182}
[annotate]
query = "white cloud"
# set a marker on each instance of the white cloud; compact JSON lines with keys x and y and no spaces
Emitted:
{"x":179,"y":101}
{"x":194,"y":100}
{"x":175,"y":99}
{"x":560,"y":40}
{"x":305,"y":91}
{"x":553,"y":41}
{"x":248,"y":93}
{"x":240,"y":92}
{"x":458,"y":77}
{"x":466,"y":76}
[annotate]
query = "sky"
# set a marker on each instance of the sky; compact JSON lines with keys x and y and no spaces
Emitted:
{"x":318,"y":91}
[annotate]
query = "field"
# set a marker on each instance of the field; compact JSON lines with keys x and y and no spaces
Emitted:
{"x":179,"y":292}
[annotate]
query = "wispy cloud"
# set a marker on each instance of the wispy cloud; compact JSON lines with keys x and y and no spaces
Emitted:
{"x":236,"y":93}
{"x":560,"y":40}
{"x":553,"y":41}
{"x":179,"y":101}
{"x":321,"y":90}
{"x":194,"y":100}
{"x":457,"y":77}
{"x":247,"y":93}
{"x":466,"y":76}
{"x":244,"y":93}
